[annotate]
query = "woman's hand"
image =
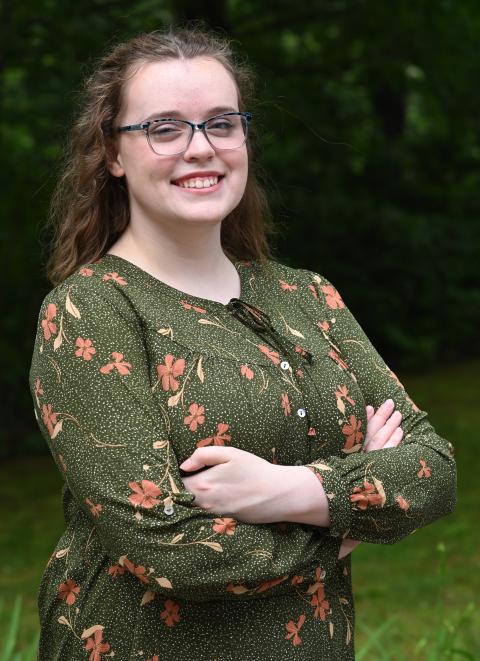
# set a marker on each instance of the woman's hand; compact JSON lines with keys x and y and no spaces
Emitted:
{"x":383,"y":431}
{"x":383,"y":427}
{"x":239,"y":484}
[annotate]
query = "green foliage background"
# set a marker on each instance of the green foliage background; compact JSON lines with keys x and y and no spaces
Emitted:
{"x":368,"y":134}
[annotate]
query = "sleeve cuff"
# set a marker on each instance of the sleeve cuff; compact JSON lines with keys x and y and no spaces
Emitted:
{"x":338,"y":497}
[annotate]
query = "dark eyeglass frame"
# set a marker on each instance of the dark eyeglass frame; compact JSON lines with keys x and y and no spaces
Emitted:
{"x":144,"y":126}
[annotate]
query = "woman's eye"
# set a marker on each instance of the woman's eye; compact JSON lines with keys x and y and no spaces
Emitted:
{"x":224,"y":124}
{"x":161,"y":129}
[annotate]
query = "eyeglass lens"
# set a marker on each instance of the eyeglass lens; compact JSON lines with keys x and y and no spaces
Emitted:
{"x":172,"y":136}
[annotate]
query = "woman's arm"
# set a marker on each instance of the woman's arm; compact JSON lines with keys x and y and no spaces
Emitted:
{"x":383,"y":496}
{"x":110,"y":439}
{"x":253,"y":490}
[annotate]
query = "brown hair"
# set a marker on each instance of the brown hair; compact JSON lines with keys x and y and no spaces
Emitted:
{"x":90,"y":207}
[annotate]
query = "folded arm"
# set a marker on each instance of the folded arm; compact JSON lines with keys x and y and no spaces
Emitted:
{"x":382,"y":496}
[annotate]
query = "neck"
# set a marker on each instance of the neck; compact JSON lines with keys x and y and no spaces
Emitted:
{"x":186,"y":256}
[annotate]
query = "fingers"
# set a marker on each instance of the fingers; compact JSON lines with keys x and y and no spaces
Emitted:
{"x":384,"y":434}
{"x":378,"y":420}
{"x":383,"y":427}
{"x":207,"y":456}
{"x":394,"y":439}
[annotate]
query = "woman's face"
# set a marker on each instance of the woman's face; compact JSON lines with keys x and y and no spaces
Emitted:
{"x":195,"y":89}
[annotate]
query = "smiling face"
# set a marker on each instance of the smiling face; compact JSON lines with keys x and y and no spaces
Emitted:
{"x":194,"y":89}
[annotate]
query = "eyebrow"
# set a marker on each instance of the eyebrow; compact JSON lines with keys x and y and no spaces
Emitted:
{"x":176,"y":114}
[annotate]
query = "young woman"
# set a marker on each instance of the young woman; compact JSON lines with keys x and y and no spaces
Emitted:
{"x":225,"y":430}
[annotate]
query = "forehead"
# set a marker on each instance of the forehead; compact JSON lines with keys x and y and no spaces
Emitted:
{"x":189,"y":86}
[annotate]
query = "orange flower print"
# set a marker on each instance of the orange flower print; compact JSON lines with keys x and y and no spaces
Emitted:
{"x":220,"y":438}
{"x":48,"y":325}
{"x":118,"y":363}
{"x":312,"y":431}
{"x":287,"y":409}
{"x":342,"y":393}
{"x":94,"y":509}
{"x":189,"y":306}
{"x":424,"y":470}
{"x":136,"y":570}
{"x":313,"y":289}
{"x":168,"y":372}
{"x":85,"y":350}
{"x":402,"y":503}
{"x":321,"y":605}
{"x":116,"y":570}
{"x":38,"y":387}
{"x":334,"y":356}
{"x":352,"y":431}
{"x":49,"y":418}
{"x":86,"y":272}
{"x":323,"y":325}
{"x":95,"y":646}
{"x":115,"y":277}
{"x":155,"y":657}
{"x":273,"y":355}
{"x":301,"y":351}
{"x":299,"y":373}
{"x":170,"y":614}
{"x":293,"y":630}
{"x":366,"y":496}
{"x":246,"y":372}
{"x":196,"y":416}
{"x":224,"y":526}
{"x":286,"y":287}
{"x":296,"y":580}
{"x":267,"y":585}
{"x":145,"y":495}
{"x":68,"y":591}
{"x":332,"y":297}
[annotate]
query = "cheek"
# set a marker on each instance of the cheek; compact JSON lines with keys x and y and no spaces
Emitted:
{"x":239,"y":165}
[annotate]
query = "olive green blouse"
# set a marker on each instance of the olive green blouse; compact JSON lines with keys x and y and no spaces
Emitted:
{"x":129,"y":375}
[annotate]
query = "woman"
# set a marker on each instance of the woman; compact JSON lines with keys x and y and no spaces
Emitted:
{"x":225,"y":430}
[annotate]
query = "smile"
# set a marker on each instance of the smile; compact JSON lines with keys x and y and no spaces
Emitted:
{"x":198,"y":182}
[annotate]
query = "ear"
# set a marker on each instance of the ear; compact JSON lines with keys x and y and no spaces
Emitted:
{"x":114,"y":160}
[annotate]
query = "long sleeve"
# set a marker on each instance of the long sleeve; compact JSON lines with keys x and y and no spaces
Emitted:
{"x":93,"y":400}
{"x":383,"y":495}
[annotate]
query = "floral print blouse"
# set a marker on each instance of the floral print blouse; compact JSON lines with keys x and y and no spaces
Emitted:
{"x":129,"y":375}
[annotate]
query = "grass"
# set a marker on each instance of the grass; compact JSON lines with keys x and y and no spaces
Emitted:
{"x":414,"y":600}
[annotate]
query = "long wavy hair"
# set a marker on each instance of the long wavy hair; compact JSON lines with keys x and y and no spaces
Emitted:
{"x":90,"y":207}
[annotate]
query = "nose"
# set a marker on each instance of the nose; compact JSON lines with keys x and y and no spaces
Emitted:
{"x":199,"y":147}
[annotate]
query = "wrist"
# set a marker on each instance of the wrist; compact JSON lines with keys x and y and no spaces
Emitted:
{"x":306,"y":498}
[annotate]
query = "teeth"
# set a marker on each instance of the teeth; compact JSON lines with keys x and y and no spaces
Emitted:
{"x":199,"y":183}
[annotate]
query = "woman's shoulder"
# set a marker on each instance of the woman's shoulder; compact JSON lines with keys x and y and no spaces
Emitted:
{"x":96,"y":285}
{"x":295,"y":275}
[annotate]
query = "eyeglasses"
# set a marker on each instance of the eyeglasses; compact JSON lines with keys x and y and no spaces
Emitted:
{"x":168,"y":137}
